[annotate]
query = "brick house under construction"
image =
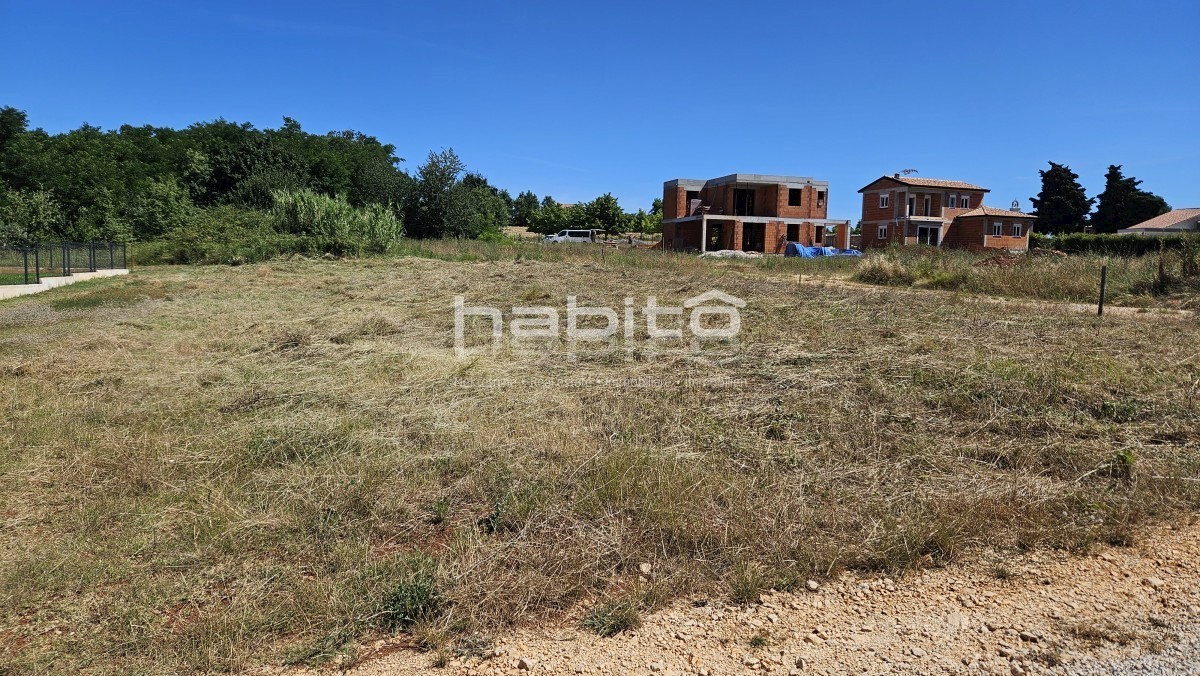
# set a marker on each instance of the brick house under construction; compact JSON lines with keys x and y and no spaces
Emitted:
{"x":749,"y":212}
{"x":909,"y":210}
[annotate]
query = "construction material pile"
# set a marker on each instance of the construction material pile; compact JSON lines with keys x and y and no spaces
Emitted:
{"x":1003,"y":260}
{"x":730,"y":253}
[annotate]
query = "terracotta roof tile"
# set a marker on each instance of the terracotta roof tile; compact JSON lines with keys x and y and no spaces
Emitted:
{"x":991,"y":211}
{"x":1167,"y":220}
{"x":919,"y":182}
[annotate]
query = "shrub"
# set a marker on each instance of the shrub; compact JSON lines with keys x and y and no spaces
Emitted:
{"x":222,"y":235}
{"x":415,"y":597}
{"x":884,"y":271}
{"x":332,"y":225}
{"x":1113,"y":245}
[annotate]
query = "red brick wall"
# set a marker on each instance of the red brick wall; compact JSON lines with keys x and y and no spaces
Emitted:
{"x":965,"y":233}
{"x":681,"y":235}
{"x":674,"y":202}
{"x":871,"y":211}
{"x":870,"y":233}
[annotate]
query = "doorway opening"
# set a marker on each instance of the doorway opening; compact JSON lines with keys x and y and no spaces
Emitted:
{"x":927,"y":234}
{"x":754,"y":236}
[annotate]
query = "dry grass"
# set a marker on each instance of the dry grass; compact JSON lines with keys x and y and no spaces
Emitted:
{"x":1136,"y":281}
{"x":213,"y":468}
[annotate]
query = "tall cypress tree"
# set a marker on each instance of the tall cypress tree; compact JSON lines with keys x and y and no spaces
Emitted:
{"x":1123,"y":203}
{"x":1062,"y":205}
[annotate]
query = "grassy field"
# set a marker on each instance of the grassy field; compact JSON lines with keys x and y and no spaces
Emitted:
{"x":18,"y":277}
{"x":1171,"y":280}
{"x":215,"y":468}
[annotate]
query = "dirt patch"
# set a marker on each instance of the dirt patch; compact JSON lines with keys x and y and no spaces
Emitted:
{"x":1035,"y":613}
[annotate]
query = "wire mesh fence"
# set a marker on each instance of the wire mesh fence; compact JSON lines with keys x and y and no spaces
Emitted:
{"x":28,"y":265}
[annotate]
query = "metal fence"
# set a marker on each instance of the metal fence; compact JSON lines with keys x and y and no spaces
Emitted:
{"x":28,"y":265}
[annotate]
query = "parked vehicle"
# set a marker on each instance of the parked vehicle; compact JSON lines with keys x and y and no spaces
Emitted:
{"x":571,"y":236}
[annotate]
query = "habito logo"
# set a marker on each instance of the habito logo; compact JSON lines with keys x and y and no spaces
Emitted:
{"x":712,"y":315}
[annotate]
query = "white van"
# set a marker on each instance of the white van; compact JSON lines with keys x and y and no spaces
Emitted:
{"x":571,"y":236}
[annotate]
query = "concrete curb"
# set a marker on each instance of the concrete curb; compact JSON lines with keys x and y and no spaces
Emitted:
{"x":14,"y":290}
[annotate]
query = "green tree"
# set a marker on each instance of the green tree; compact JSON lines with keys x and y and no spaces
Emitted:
{"x":27,"y":217}
{"x":1123,"y":203}
{"x":100,"y":219}
{"x":162,"y":206}
{"x":549,"y":218}
{"x":1062,"y":205}
{"x":524,"y":208}
{"x":428,"y":210}
{"x":602,"y":213}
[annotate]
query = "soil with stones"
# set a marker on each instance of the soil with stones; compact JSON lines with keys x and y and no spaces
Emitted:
{"x":1117,"y":610}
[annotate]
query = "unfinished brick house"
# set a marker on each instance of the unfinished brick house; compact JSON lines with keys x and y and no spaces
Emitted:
{"x":749,"y":212}
{"x":909,"y":210}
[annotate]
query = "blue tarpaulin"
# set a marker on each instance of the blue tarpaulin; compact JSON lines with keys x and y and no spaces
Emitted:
{"x":795,"y":249}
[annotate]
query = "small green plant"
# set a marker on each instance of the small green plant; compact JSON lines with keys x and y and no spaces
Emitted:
{"x":746,"y":582}
{"x":1121,"y":465}
{"x":415,"y":597}
{"x":613,"y":617}
{"x":439,"y":512}
{"x":759,"y":640}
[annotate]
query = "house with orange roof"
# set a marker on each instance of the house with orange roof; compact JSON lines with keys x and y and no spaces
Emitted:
{"x":1173,"y":222}
{"x":901,"y":209}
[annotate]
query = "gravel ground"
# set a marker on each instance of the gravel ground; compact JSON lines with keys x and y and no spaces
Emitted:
{"x":1115,"y":611}
{"x":1179,"y":657}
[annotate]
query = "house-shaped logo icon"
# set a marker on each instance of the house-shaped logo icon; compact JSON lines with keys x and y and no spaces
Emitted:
{"x":729,"y":308}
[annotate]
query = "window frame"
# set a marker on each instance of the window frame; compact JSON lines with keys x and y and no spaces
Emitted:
{"x":998,"y":229}
{"x":820,"y":198}
{"x":799,"y":194}
{"x":885,"y":200}
{"x":1018,"y":229}
{"x":881,"y":233}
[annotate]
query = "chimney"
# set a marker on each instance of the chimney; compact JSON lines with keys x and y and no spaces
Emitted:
{"x":896,"y":175}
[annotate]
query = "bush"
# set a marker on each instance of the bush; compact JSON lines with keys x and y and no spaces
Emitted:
{"x":415,"y":596}
{"x":1109,"y":245}
{"x":332,"y":225}
{"x":884,"y":271}
{"x":222,"y":235}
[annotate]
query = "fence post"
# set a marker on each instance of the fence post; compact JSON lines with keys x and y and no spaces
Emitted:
{"x":92,"y":256}
{"x":1103,"y":283}
{"x":66,"y":260}
{"x":125,"y":255}
{"x":25,"y":255}
{"x":37,"y":262}
{"x":112,"y":256}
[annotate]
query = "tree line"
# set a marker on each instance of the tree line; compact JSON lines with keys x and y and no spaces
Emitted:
{"x":225,"y":181}
{"x":1063,"y":206}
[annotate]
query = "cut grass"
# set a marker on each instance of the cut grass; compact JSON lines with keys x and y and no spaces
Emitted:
{"x":217,"y":468}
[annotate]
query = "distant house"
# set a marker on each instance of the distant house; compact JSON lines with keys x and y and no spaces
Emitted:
{"x":1170,"y":223}
{"x":909,"y":210}
{"x":749,"y":212}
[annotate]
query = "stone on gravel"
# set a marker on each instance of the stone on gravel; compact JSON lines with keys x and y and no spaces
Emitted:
{"x":812,"y":585}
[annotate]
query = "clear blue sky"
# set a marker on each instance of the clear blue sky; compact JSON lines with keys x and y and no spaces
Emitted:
{"x":574,"y":99}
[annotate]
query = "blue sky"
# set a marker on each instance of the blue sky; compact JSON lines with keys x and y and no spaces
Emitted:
{"x":574,"y":99}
